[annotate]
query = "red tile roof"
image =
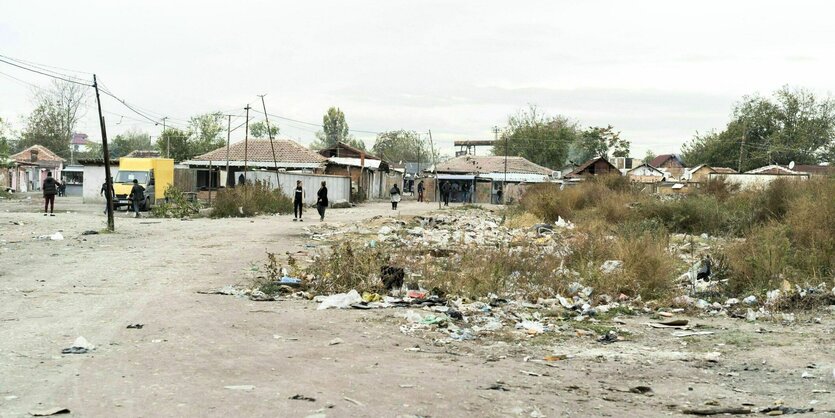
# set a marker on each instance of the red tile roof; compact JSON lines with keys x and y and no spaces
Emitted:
{"x":44,"y":154}
{"x":661,"y":159}
{"x":577,"y":172}
{"x":259,"y":150}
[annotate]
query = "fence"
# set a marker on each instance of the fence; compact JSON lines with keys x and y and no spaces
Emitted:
{"x":339,"y":187}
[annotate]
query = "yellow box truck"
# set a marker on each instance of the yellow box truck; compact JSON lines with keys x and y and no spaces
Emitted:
{"x":154,"y":174}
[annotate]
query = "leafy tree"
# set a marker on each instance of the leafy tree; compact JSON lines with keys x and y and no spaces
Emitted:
{"x":5,"y":143}
{"x":57,"y":112}
{"x":335,"y":129}
{"x":259,"y":130}
{"x":403,"y":146}
{"x":792,"y":125}
{"x":596,"y":142}
{"x":178,"y":142}
{"x":540,"y":139}
{"x":123,"y":144}
{"x":648,"y":157}
{"x":205,"y":133}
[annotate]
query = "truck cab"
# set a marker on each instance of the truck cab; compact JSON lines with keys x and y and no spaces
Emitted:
{"x":154,"y":174}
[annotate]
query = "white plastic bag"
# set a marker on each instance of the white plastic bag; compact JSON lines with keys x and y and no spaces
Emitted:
{"x":340,"y":300}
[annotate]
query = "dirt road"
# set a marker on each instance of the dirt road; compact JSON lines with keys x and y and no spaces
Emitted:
{"x":210,"y":355}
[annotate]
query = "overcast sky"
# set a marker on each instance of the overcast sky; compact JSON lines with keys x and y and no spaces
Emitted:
{"x":657,"y":70}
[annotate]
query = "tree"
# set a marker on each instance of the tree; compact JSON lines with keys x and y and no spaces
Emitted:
{"x":259,"y":130}
{"x":205,"y":133}
{"x":57,"y":112}
{"x":178,"y":142}
{"x":792,"y":125}
{"x":5,"y":142}
{"x":597,"y":142}
{"x":648,"y":157}
{"x":403,"y":146}
{"x":540,"y":139}
{"x":335,"y":129}
{"x":124,"y":143}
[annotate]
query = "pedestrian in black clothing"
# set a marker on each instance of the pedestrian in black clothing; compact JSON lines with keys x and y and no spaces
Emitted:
{"x":102,"y":193}
{"x":395,"y":197}
{"x":50,"y":189}
{"x":298,"y":201}
{"x":322,"y":201}
{"x":137,"y":196}
{"x":445,"y":190}
{"x":420,"y":191}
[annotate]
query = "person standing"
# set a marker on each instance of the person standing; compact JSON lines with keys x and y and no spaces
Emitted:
{"x":298,"y":201}
{"x":137,"y":196}
{"x":420,"y":191}
{"x":102,"y":193}
{"x":50,"y":189}
{"x":322,"y":201}
{"x":465,"y":191}
{"x":445,"y":188}
{"x":395,"y":196}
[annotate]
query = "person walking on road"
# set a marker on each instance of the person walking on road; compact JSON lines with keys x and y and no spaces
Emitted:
{"x":137,"y":196}
{"x":420,"y":191}
{"x":103,"y":194}
{"x":50,"y":189}
{"x":445,"y":189}
{"x":395,"y":197}
{"x":298,"y":201}
{"x":322,"y":201}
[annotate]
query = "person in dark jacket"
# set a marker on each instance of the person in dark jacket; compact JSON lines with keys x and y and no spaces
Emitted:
{"x":395,"y":196}
{"x":322,"y":201}
{"x":420,"y":191}
{"x":137,"y":195}
{"x":102,"y":193}
{"x":445,"y":190}
{"x":298,"y":202}
{"x":50,"y":189}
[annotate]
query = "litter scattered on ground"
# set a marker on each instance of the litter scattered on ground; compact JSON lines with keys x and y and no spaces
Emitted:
{"x":136,"y":326}
{"x":80,"y":346}
{"x":302,"y":398}
{"x":58,"y":236}
{"x":353,"y":401}
{"x":240,"y":387}
{"x":90,"y":232}
{"x":717,"y":411}
{"x":340,"y":300}
{"x":335,"y":341}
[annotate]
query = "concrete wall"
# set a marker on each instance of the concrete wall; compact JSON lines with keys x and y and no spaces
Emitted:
{"x":339,"y":188}
{"x":749,"y":181}
{"x":93,"y":179}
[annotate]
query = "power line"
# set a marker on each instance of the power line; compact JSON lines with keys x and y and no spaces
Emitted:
{"x":44,"y":73}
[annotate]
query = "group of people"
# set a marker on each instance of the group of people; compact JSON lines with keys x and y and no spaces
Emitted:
{"x":298,"y":201}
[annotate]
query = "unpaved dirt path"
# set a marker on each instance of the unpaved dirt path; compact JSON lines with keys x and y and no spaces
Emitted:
{"x":193,"y":346}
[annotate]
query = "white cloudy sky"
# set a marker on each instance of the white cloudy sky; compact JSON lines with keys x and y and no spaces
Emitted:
{"x":657,"y":70}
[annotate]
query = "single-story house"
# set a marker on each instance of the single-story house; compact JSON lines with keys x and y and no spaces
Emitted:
{"x":92,"y":178}
{"x":760,"y":177}
{"x":369,"y":173}
{"x":593,"y":167}
{"x":815,"y":170}
{"x":252,"y":154}
{"x":671,"y":163}
{"x":32,"y":164}
{"x":645,"y":173}
{"x":478,"y":179}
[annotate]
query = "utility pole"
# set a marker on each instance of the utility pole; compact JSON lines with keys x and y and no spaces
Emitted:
{"x":504,"y":183}
{"x":270,"y":135}
{"x":246,"y":142}
{"x":435,"y":169}
{"x":168,"y":137}
{"x":228,"y":134}
{"x":108,"y":191}
{"x":741,"y":149}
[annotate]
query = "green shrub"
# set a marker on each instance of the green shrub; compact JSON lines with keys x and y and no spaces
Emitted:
{"x":250,"y":200}
{"x":175,"y":205}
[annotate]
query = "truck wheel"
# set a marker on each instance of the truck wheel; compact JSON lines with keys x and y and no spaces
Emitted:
{"x":147,"y":205}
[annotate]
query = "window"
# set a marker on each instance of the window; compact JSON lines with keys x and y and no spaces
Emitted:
{"x":129,"y":176}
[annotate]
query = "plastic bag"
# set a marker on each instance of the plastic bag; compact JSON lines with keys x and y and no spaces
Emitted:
{"x":340,"y":300}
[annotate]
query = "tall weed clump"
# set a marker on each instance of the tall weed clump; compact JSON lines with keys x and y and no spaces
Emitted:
{"x":175,"y":205}
{"x":249,"y":200}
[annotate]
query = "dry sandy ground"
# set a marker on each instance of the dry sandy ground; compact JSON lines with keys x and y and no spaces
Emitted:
{"x":194,"y":346}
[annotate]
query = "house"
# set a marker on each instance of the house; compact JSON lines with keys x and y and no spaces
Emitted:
{"x":815,"y":170}
{"x":760,"y":177}
{"x":774,"y":170}
{"x":670,"y":163}
{"x":483,"y":176}
{"x":593,"y":167}
{"x":31,"y":166}
{"x":369,"y":174}
{"x":221,"y":167}
{"x":645,"y":173}
{"x":92,"y":178}
{"x":724,"y":170}
{"x":626,"y":163}
{"x":566,"y":169}
{"x":78,"y":144}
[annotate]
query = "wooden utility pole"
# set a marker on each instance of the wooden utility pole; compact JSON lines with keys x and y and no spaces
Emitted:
{"x":270,"y":135}
{"x":435,"y":168}
{"x":246,"y":142}
{"x":210,"y":182}
{"x":108,"y":191}
{"x":228,"y":135}
{"x":741,"y":149}
{"x":168,"y":139}
{"x":504,"y":183}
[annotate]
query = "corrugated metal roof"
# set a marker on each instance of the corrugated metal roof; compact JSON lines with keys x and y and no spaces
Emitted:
{"x":517,"y":177}
{"x":356,"y":162}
